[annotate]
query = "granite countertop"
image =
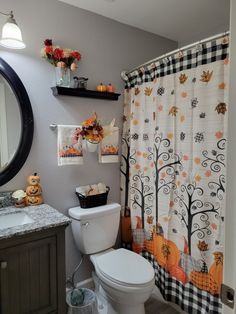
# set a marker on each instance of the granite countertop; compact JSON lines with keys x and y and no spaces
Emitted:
{"x":44,"y":217}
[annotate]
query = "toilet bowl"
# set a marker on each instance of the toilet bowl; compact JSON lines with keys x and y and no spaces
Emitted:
{"x":126,"y":278}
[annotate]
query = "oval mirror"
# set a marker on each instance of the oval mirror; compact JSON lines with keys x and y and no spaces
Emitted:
{"x":16,"y":123}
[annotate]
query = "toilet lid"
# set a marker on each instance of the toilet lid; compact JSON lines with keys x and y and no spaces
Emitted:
{"x":125,"y":267}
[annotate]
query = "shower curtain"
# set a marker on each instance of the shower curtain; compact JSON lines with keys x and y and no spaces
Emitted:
{"x":173,"y":172}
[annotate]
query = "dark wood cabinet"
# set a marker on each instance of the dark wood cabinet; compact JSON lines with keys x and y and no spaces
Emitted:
{"x":32,"y":273}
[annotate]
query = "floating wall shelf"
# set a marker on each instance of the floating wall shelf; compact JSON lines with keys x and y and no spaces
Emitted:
{"x":58,"y":90}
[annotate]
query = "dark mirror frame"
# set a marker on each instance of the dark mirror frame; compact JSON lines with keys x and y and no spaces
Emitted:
{"x":27,"y":123}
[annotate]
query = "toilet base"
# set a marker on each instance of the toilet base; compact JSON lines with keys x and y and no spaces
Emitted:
{"x":112,"y":305}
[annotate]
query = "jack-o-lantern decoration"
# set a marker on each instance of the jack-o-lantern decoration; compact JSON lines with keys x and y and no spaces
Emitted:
{"x":34,"y":191}
{"x":34,"y":200}
{"x":34,"y":179}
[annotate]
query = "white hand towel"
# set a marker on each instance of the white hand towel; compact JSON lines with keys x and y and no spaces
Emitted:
{"x":109,"y":147}
{"x":69,"y":145}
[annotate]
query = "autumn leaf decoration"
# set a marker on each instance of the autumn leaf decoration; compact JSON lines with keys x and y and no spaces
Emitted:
{"x":221,"y":108}
{"x":148,"y":91}
{"x":206,"y":76}
{"x":173,"y":111}
{"x":202,"y":246}
{"x":183,"y":78}
{"x":136,"y":91}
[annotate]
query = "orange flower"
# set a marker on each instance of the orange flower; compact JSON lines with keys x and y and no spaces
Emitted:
{"x":219,"y":135}
{"x":208,"y":173}
{"x":184,"y":174}
{"x":90,"y":121}
{"x":222,"y":85}
{"x":198,"y":178}
{"x":197,"y":160}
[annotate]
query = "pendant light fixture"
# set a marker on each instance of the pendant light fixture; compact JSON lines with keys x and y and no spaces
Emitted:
{"x":11,"y":33}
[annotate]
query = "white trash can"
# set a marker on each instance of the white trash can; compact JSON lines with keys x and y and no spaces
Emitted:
{"x":89,"y":305}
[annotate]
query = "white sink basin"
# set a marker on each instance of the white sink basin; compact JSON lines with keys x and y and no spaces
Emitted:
{"x":14,"y":219}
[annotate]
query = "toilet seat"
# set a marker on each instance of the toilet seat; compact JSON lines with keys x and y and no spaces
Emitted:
{"x":125,"y":269}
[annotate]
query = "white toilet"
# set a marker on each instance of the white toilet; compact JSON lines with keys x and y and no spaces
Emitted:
{"x":126,"y":277}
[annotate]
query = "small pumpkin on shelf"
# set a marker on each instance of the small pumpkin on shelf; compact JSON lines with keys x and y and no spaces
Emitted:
{"x":110,"y":88}
{"x":101,"y":88}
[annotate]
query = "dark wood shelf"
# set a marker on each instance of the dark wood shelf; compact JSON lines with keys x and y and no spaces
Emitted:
{"x":66,"y":91}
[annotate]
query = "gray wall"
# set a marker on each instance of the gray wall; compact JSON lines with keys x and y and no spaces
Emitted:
{"x":107,"y":48}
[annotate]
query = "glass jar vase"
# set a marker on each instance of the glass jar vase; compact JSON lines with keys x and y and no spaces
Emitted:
{"x":63,"y":76}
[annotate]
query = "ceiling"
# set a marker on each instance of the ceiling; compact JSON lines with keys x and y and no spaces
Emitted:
{"x":182,"y":20}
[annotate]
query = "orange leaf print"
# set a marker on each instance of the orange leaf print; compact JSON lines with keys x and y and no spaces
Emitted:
{"x":160,"y":108}
{"x":182,"y":118}
{"x":136,"y":91}
{"x":173,"y":111}
{"x":148,"y":91}
{"x":161,"y":162}
{"x":137,"y":103}
{"x":137,"y":167}
{"x":185,"y":157}
{"x":206,"y":76}
{"x":183,"y":78}
{"x":139,"y":153}
{"x":198,"y":178}
{"x":163,"y":175}
{"x":222,"y":85}
{"x":219,"y":135}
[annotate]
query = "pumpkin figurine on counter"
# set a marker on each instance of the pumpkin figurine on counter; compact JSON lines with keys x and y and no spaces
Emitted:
{"x":34,"y":191}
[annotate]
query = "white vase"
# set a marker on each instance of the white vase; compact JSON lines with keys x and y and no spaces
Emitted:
{"x":92,"y":146}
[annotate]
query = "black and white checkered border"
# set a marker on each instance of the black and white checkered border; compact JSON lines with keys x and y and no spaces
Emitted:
{"x":191,"y":299}
{"x":202,"y":54}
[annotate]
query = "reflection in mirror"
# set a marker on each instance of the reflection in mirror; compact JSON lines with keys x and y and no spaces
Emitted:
{"x":10,"y":124}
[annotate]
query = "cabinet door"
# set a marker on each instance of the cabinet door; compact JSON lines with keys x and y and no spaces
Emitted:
{"x":28,"y":278}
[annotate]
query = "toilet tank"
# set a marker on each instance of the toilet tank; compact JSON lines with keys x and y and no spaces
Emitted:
{"x":95,"y":229}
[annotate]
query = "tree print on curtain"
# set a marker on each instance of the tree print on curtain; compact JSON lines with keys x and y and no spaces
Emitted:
{"x":173,"y":172}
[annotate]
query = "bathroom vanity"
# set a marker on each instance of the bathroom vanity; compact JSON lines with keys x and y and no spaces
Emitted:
{"x":32,"y":260}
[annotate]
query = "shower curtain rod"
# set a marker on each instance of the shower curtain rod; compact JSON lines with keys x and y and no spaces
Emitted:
{"x":124,"y":73}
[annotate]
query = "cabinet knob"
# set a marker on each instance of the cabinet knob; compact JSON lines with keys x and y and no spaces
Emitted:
{"x":3,"y":265}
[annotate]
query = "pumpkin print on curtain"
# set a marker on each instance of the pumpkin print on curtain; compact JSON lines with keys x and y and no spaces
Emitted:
{"x":173,"y":172}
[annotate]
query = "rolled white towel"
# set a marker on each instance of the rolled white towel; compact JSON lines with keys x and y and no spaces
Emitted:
{"x":83,"y":189}
{"x":101,"y":188}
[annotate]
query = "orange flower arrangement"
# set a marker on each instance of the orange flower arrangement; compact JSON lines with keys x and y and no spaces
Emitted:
{"x":91,"y":130}
{"x":64,"y":58}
